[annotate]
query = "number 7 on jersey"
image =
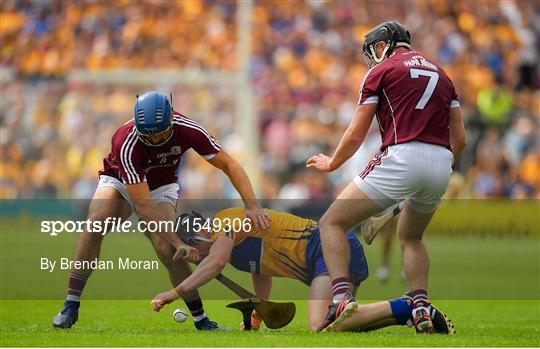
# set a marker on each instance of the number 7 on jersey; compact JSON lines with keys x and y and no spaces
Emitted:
{"x":433,"y":78}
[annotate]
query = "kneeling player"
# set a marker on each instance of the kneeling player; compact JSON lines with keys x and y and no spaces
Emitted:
{"x":290,"y":247}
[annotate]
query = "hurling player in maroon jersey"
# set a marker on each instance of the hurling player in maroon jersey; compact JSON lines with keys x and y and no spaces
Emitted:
{"x":422,"y":133}
{"x":140,"y":175}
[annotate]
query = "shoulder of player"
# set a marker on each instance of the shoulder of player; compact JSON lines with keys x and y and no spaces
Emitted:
{"x":125,"y":139}
{"x":184,"y":124}
{"x":377,"y":69}
{"x":125,"y":133}
{"x":442,"y":71}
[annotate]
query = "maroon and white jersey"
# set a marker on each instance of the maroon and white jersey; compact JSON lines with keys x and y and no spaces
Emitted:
{"x":133,"y":161}
{"x":414,"y":97}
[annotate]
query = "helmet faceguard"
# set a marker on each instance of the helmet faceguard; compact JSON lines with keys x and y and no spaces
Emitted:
{"x":187,"y":231}
{"x":392,"y":34}
{"x":162,"y":136}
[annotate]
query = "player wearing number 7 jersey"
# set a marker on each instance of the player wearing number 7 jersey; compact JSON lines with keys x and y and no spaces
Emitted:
{"x":420,"y":121}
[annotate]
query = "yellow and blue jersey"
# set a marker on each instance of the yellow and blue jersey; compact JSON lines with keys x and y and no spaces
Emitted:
{"x":290,"y":247}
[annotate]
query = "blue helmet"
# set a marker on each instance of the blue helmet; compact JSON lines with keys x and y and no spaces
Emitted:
{"x":153,"y":113}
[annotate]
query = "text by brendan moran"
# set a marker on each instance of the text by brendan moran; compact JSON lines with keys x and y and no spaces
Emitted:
{"x":118,"y":264}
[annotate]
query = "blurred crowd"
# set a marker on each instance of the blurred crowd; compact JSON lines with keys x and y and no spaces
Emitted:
{"x":306,"y":70}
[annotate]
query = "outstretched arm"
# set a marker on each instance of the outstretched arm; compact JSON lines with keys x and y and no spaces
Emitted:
{"x":349,"y":143}
{"x":241,"y":182}
{"x":208,"y":268}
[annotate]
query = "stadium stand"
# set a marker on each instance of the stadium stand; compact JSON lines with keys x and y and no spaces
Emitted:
{"x":306,"y":70}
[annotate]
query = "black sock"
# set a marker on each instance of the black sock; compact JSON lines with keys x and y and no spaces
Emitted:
{"x":195,"y":306}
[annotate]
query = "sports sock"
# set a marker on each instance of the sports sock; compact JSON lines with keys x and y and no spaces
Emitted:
{"x":420,"y":298}
{"x":341,"y":289}
{"x":401,"y":310}
{"x":76,"y":285}
{"x":195,"y":306}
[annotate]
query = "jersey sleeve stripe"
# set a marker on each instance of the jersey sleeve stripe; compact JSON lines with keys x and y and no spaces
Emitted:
{"x":125,"y":157}
{"x":195,"y":126}
{"x":131,"y":147}
{"x":122,"y":154}
{"x":372,"y":100}
{"x":454,"y":103}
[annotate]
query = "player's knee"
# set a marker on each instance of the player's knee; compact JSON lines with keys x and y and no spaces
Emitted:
{"x":409,"y":241}
{"x":325,"y":224}
{"x":101,"y":222}
{"x":97,"y":216}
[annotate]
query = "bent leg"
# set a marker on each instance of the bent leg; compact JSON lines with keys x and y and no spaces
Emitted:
{"x":367,"y":316}
{"x":178,"y":270}
{"x":350,"y":207}
{"x":320,"y":297}
{"x":411,"y":227}
{"x":107,"y":202}
{"x":376,"y":325}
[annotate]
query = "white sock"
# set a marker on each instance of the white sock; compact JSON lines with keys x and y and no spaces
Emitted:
{"x":73,"y":298}
{"x":199,"y":317}
{"x":339,"y":297}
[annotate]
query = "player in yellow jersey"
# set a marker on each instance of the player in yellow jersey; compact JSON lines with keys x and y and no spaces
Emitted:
{"x":290,"y":247}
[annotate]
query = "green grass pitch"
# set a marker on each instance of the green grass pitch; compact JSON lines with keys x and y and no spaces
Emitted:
{"x":132,"y":323}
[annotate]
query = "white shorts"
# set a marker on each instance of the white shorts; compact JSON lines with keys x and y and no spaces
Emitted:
{"x":166,"y":193}
{"x":414,"y":171}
